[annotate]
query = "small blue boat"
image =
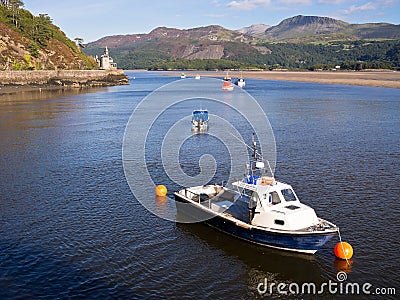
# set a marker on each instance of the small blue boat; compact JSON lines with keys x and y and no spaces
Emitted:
{"x":200,"y":120}
{"x":259,"y":210}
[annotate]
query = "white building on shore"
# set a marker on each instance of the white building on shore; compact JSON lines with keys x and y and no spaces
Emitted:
{"x":106,"y":62}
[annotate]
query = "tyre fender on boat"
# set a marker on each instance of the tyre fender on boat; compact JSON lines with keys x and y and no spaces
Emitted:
{"x":267,"y":180}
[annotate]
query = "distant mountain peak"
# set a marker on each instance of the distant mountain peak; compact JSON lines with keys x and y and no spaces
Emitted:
{"x":304,"y":26}
{"x":255,"y":29}
{"x":310,"y":20}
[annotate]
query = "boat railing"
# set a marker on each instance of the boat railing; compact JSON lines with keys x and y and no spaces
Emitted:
{"x":248,"y":186}
{"x":198,"y":197}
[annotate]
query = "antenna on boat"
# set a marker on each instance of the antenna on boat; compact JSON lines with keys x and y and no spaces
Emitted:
{"x":251,"y":148}
{"x":254,"y":146}
{"x":255,"y":152}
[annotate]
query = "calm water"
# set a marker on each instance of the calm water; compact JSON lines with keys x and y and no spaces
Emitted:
{"x":71,"y":228}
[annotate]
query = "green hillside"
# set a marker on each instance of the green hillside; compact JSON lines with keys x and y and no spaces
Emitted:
{"x":34,"y":42}
{"x":301,"y":42}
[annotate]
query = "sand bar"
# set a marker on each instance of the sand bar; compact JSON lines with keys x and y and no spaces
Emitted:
{"x":386,"y":79}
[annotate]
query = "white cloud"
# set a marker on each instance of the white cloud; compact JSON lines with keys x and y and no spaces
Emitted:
{"x":301,"y":2}
{"x":218,"y":16}
{"x":248,"y":4}
{"x":386,"y":3}
{"x":355,"y":9}
{"x":331,"y":1}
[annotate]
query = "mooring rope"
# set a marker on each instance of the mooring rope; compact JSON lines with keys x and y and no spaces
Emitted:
{"x":341,"y":244}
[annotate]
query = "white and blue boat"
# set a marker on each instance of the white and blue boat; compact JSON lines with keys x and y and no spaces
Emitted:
{"x":241,"y":83}
{"x":200,"y":120}
{"x":257,"y":209}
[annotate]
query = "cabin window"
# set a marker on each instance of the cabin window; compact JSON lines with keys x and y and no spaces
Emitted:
{"x":279,"y":222}
{"x":274,"y":198}
{"x":254,"y":200}
{"x":289,"y":195}
{"x":292,"y":207}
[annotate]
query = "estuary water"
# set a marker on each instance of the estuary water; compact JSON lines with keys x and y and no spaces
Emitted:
{"x":70,"y":227}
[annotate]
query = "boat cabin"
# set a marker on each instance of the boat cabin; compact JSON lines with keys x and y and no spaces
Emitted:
{"x":275,"y":204}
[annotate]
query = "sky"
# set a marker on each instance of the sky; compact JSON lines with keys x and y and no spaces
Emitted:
{"x":91,"y":20}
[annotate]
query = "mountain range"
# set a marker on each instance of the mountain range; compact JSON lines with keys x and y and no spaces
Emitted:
{"x":305,"y":28}
{"x":254,"y":45}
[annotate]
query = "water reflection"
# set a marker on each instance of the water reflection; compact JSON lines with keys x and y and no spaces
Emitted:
{"x":260,"y":262}
{"x":343,"y":265}
{"x":35,"y":108}
{"x":25,"y":94}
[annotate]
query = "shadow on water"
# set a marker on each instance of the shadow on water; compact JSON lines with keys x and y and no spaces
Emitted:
{"x":26,"y":94}
{"x":261,"y":262}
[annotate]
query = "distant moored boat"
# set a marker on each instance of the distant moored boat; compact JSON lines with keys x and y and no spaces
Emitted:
{"x":227,"y":85}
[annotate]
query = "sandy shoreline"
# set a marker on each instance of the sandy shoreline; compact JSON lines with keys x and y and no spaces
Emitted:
{"x":386,"y":79}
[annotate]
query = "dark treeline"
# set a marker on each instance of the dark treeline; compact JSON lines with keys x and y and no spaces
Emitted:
{"x":355,"y":55}
{"x":202,"y":64}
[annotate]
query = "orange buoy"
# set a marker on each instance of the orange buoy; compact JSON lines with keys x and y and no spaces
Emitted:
{"x":161,"y":190}
{"x":343,"y":250}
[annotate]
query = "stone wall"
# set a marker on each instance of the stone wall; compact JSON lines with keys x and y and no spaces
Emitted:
{"x":64,"y":77}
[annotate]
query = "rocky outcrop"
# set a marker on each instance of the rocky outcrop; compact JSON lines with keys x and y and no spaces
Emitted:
{"x":64,"y":78}
{"x":208,"y":52}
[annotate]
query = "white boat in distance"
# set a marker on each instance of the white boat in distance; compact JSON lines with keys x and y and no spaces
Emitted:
{"x":241,"y":83}
{"x":259,"y":209}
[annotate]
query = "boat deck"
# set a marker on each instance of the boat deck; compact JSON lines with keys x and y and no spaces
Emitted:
{"x":221,"y":201}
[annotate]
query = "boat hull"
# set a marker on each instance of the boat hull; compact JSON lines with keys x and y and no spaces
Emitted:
{"x":289,"y":241}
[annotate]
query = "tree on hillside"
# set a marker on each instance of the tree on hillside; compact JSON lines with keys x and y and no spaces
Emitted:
{"x":41,"y":31}
{"x":10,"y":3}
{"x":14,"y":7}
{"x":79,"y":43}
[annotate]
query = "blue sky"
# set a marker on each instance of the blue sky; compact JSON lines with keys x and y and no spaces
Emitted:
{"x":92,"y":19}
